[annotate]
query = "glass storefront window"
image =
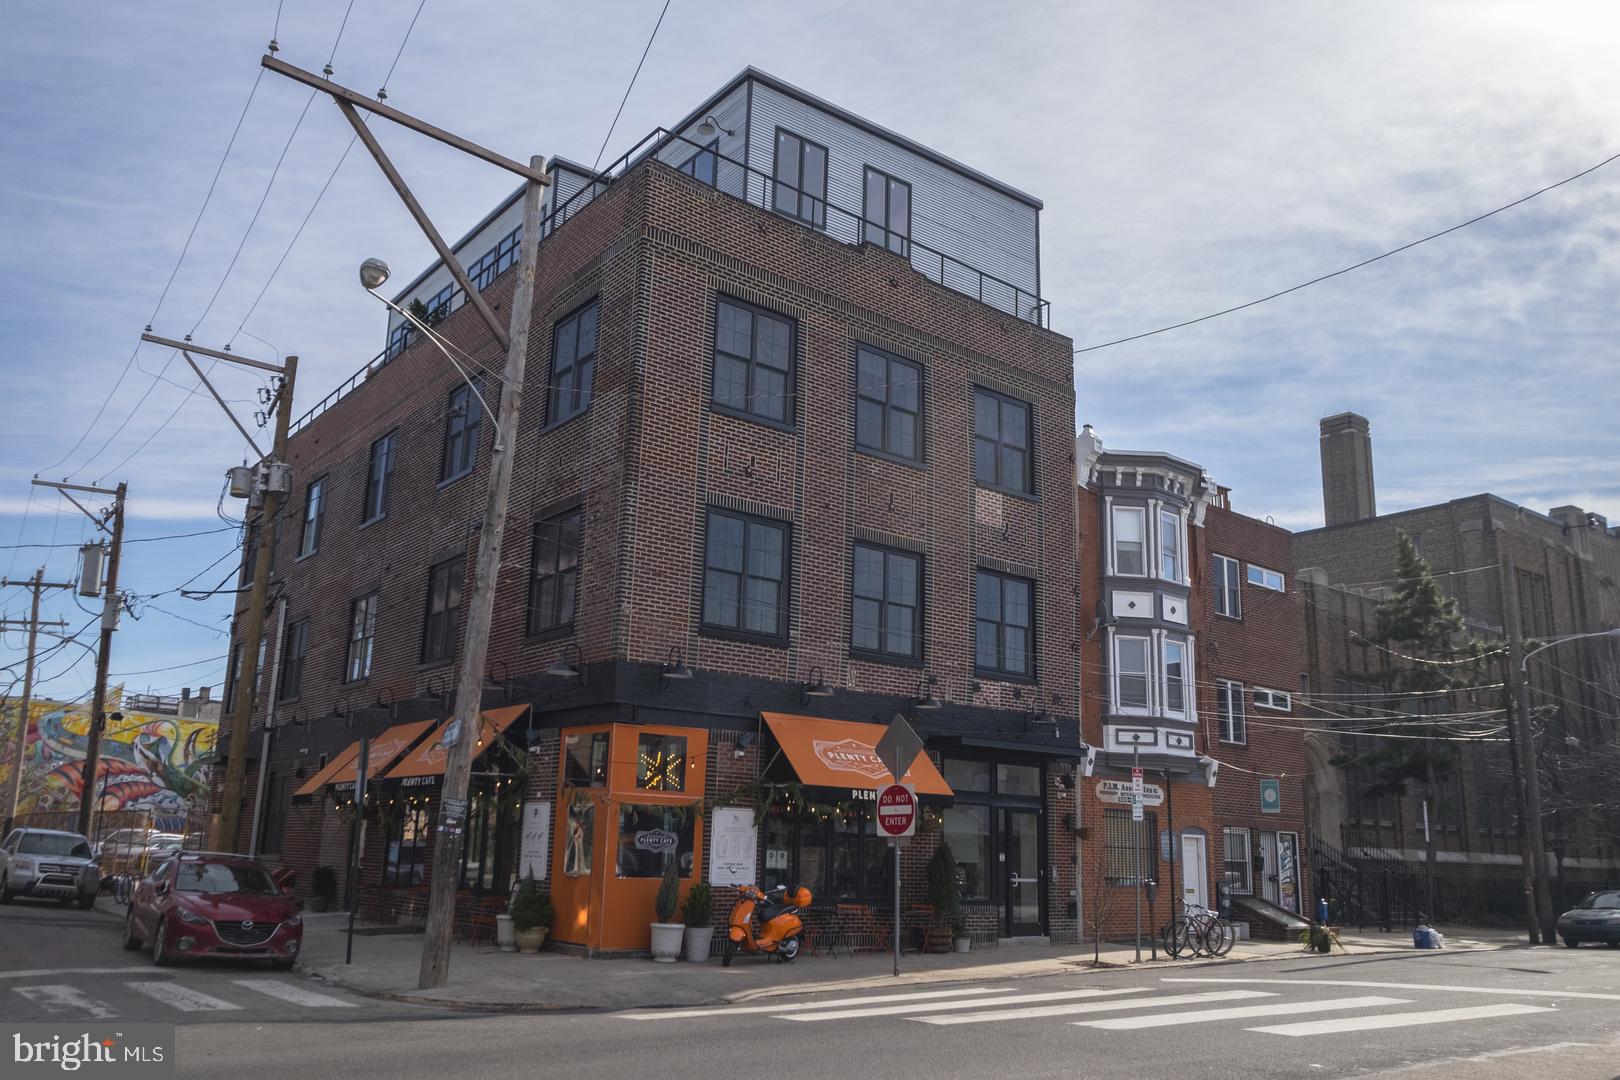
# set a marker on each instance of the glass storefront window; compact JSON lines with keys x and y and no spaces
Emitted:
{"x":835,"y":859}
{"x":778,"y":853}
{"x":581,"y":838}
{"x":587,"y":760}
{"x":1018,"y":780}
{"x":967,"y":831}
{"x":846,"y":858}
{"x":651,"y":837}
{"x":967,"y":775}
{"x":661,"y":762}
{"x":407,"y":844}
{"x":487,"y":859}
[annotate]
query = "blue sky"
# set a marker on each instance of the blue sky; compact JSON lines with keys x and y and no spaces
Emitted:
{"x":1190,"y":156}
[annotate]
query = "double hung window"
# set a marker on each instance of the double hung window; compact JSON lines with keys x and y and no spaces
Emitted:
{"x":314,"y":515}
{"x":1169,"y":546}
{"x":362,"y":637}
{"x":888,"y":405}
{"x":573,"y":362}
{"x":379,"y":476}
{"x":753,"y":361}
{"x":745,"y":563}
{"x":1132,"y":666}
{"x":1004,"y":624}
{"x":801,"y":179}
{"x":293,"y":652}
{"x":1129,"y":524}
{"x":1228,"y":587}
{"x":554,"y":572}
{"x":1001,"y":438}
{"x":462,"y":419}
{"x":887,"y":218}
{"x":443,"y":610}
{"x":1229,"y":709}
{"x":1175,"y":677}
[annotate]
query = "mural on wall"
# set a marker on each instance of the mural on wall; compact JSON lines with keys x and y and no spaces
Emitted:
{"x":148,"y":761}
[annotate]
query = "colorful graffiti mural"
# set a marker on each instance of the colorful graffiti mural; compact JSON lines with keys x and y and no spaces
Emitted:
{"x":148,"y":761}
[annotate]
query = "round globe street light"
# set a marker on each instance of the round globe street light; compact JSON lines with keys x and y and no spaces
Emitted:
{"x":373,"y":272}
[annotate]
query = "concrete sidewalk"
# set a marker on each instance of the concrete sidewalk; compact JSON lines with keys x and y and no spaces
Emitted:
{"x":485,"y":979}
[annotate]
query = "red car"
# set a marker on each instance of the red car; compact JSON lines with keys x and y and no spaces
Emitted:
{"x":211,"y":904}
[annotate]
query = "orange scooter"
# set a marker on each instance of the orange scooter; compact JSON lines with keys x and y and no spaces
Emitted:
{"x":779,"y":922}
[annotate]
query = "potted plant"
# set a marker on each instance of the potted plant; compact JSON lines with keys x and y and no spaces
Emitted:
{"x":323,"y":888}
{"x":959,"y":931}
{"x":1319,"y":938}
{"x":666,"y":934}
{"x":697,"y":911}
{"x":531,"y":916}
{"x":943,"y":895}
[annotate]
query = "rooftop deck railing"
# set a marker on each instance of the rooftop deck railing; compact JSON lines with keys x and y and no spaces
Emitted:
{"x":741,"y":181}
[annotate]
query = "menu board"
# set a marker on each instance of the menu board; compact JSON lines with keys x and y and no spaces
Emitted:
{"x":733,"y":843}
{"x":536,"y":839}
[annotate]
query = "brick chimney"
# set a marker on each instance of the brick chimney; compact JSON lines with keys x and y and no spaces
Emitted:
{"x":1347,"y":470}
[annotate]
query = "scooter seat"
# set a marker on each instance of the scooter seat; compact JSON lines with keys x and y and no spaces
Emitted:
{"x":771,"y":911}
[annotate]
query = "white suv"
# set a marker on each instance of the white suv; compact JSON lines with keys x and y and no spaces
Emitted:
{"x":48,"y":864}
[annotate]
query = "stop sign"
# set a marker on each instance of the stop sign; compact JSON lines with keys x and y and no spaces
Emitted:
{"x":897,"y":810}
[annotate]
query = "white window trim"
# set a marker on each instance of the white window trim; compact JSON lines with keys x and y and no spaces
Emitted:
{"x":1165,"y":641}
{"x":1248,"y":857}
{"x":1114,"y":673}
{"x":1234,"y":690}
{"x":1282,"y":580}
{"x":1237,"y":589}
{"x":1270,"y":698}
{"x":1158,"y":538}
{"x":1113,"y":540}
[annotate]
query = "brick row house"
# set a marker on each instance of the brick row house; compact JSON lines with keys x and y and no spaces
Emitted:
{"x":794,"y":457}
{"x":1191,"y":656}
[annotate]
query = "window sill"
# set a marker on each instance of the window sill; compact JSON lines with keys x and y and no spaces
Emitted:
{"x":556,"y":633}
{"x":753,"y":418}
{"x":918,"y":463}
{"x":1240,"y":742}
{"x":552,"y":425}
{"x":991,"y":675}
{"x":370,"y":521}
{"x":430,"y":665}
{"x":447,"y":481}
{"x":866,"y":656}
{"x":306,"y":555}
{"x":1027,"y":496}
{"x":747,"y":637}
{"x":1234,"y":618}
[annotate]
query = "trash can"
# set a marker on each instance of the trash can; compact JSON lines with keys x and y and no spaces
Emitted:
{"x":1322,"y":910}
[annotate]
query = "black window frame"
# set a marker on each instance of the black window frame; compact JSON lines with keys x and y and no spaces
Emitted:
{"x":888,"y":409}
{"x":741,"y":631}
{"x":873,"y":855}
{"x":399,"y":339}
{"x":273,"y":826}
{"x":882,"y":653}
{"x":1026,"y":486}
{"x":558,"y":391}
{"x":438,"y":305}
{"x":463,"y":428}
{"x":692,"y":166}
{"x":496,"y":261}
{"x":441,"y":627}
{"x":406,"y":866}
{"x":361,"y":634}
{"x":294,"y":654}
{"x":885,"y":225}
{"x":817,"y":217}
{"x":309,"y":536}
{"x":752,"y":363}
{"x":999,"y":671}
{"x":557,"y":620}
{"x":379,"y":480}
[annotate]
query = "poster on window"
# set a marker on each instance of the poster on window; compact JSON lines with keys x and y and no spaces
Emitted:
{"x":536,"y":847}
{"x":577,"y":849}
{"x":1288,"y":871}
{"x":733,"y":844}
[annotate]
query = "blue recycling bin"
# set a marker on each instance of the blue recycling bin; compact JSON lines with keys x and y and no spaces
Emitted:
{"x":1322,"y":910}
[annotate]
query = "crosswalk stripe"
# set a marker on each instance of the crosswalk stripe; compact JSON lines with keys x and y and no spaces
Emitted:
{"x":1395,"y":1020}
{"x":297,"y":995}
{"x":60,"y":996}
{"x":1126,"y":1023}
{"x":967,"y":1003}
{"x":180,"y":997}
{"x":1090,"y":1007}
{"x":780,"y":1007}
{"x":1407,"y":986}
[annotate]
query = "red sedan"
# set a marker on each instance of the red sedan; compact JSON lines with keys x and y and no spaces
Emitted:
{"x":209,"y":904}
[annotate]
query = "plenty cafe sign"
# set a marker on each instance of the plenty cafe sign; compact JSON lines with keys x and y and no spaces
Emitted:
{"x":850,"y":755}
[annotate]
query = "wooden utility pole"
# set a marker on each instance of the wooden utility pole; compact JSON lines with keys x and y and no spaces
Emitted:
{"x":36,"y":585}
{"x":1524,"y":736}
{"x":109,"y":622}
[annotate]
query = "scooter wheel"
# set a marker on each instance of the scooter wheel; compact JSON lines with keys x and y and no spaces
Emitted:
{"x":788,"y":950}
{"x":727,"y":951}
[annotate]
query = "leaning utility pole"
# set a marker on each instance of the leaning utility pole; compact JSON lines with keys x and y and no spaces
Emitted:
{"x":1525,"y":737}
{"x":36,"y":585}
{"x":247,"y":668}
{"x":109,"y":622}
{"x":461,"y":734}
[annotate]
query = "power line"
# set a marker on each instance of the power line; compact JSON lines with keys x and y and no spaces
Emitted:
{"x":1353,"y":266}
{"x":382,"y":92}
{"x":131,"y":540}
{"x":171,"y":667}
{"x":631,"y":87}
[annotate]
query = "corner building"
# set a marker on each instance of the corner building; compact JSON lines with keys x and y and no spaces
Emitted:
{"x":794,"y":458}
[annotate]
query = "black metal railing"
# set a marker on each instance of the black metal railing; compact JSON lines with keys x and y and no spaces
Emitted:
{"x":750,"y":185}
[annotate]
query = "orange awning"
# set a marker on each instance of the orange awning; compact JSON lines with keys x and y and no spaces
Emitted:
{"x":429,"y":758}
{"x":837,"y":753}
{"x":384,"y":749}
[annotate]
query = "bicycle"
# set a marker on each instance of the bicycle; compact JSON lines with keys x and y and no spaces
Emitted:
{"x":122,"y":887}
{"x":1199,"y":931}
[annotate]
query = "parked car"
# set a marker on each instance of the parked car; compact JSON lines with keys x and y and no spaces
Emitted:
{"x":128,"y":845}
{"x":48,"y":864}
{"x":213,"y":904}
{"x":1595,"y":918}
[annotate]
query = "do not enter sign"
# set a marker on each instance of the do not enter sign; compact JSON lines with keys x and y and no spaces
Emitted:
{"x":897,"y":810}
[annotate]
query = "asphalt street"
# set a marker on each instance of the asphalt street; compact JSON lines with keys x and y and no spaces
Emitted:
{"x":1549,"y":1013}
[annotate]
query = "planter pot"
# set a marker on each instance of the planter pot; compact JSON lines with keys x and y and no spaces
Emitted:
{"x":964,"y":944}
{"x":317,"y":904}
{"x":529,"y":941}
{"x":503,"y":934}
{"x":666,"y":941}
{"x":697,"y":943}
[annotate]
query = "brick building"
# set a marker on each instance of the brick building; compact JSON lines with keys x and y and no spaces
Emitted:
{"x":1191,"y":657}
{"x":1558,"y":574}
{"x":794,"y":457}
